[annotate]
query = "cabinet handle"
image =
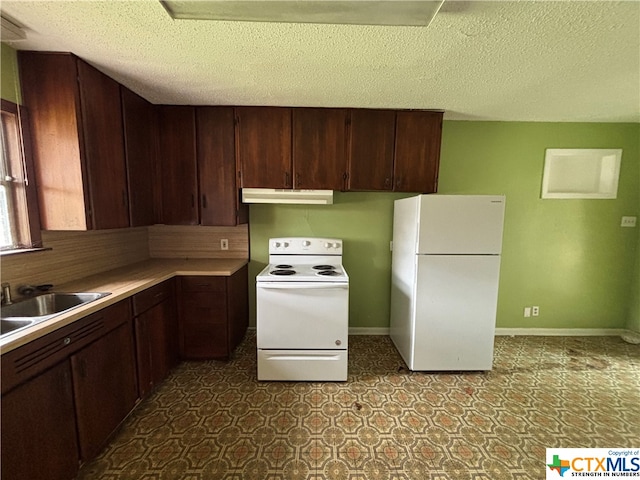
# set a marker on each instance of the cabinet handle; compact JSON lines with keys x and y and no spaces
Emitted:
{"x":158,"y":295}
{"x":398,"y":182}
{"x":298,"y":182}
{"x":387,"y":182}
{"x":204,"y":201}
{"x":66,"y":341}
{"x":286,"y":179}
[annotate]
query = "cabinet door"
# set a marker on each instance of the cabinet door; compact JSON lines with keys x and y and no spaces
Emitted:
{"x":140,"y":137}
{"x":238,"y":305}
{"x":372,"y":137}
{"x":39,"y":428}
{"x":219,"y":199}
{"x":203,"y":317}
{"x":103,"y":147}
{"x":319,"y":148}
{"x":153,"y":347}
{"x":156,"y":334}
{"x":104,"y":386}
{"x":141,"y":325}
{"x":177,"y":155}
{"x":263,"y":147}
{"x":417,"y":153}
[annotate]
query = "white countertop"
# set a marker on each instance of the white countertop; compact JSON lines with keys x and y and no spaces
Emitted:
{"x":122,"y":283}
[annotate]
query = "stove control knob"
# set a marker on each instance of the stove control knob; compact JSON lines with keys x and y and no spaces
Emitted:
{"x":338,"y":342}
{"x":327,"y":245}
{"x":306,"y":243}
{"x":336,"y":245}
{"x":285,"y":244}
{"x":276,"y":244}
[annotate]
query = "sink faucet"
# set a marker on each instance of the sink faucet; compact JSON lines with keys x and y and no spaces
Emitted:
{"x":6,"y":294}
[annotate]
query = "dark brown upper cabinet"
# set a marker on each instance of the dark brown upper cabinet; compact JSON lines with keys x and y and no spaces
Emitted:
{"x":78,"y":144}
{"x":371,"y":143}
{"x":140,"y":139}
{"x":320,"y":148}
{"x":219,"y":199}
{"x":178,"y":165}
{"x":263,"y":147}
{"x":417,"y":151}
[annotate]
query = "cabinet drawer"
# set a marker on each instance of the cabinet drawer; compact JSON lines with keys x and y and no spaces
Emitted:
{"x":27,"y":361}
{"x":209,"y":301}
{"x":143,"y":301}
{"x":203,"y":284}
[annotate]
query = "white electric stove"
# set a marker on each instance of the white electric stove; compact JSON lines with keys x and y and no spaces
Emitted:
{"x":302,"y":308}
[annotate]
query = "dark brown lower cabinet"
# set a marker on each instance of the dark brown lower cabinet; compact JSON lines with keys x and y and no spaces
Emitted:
{"x":156,"y":327}
{"x":104,"y":387}
{"x":213,"y":314}
{"x":39,"y":428}
{"x":65,"y":393}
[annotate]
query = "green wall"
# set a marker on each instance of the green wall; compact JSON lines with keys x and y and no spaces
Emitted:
{"x":9,"y":86}
{"x":570,"y":257}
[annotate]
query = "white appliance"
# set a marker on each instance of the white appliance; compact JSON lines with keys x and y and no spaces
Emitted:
{"x":302,"y":309}
{"x":445,"y":272}
{"x":287,"y":196}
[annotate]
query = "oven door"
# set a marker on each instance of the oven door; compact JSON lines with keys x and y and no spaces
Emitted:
{"x":302,"y":315}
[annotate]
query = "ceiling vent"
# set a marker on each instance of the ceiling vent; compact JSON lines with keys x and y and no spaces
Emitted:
{"x":11,"y":32}
{"x":359,"y":12}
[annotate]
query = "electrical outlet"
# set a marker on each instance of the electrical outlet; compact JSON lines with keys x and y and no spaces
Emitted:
{"x":224,"y":244}
{"x":535,"y":310}
{"x":527,"y":311}
{"x":628,"y":222}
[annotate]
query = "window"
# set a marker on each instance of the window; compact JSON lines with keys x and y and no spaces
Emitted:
{"x":19,"y":219}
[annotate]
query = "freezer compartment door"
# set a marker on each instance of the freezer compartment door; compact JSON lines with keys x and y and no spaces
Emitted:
{"x":303,"y":365}
{"x":460,"y":224}
{"x":455,"y":317}
{"x":302,"y":315}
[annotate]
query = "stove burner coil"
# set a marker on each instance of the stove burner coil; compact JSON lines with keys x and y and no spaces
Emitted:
{"x":282,"y":272}
{"x":328,"y":273}
{"x":323,"y":267}
{"x":284,"y":267}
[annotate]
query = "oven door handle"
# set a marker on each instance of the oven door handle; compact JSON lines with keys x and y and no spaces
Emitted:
{"x":303,"y":286}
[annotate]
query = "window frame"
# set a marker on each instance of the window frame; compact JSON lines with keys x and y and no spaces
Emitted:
{"x":28,"y":235}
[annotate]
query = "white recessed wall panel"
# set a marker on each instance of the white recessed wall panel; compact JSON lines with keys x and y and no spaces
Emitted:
{"x":581,"y":173}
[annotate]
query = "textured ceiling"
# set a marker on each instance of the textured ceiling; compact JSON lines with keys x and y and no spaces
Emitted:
{"x":495,"y":60}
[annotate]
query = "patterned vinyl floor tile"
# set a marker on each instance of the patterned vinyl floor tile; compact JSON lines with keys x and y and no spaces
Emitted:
{"x":214,"y":420}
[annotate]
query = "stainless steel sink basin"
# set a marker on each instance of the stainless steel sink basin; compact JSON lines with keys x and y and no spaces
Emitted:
{"x":9,"y":326}
{"x":37,"y":309}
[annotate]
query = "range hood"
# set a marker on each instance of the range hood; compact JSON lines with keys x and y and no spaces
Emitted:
{"x":295,"y":197}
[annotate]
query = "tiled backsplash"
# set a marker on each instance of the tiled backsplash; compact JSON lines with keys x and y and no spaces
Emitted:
{"x":74,"y":255}
{"x":193,"y":241}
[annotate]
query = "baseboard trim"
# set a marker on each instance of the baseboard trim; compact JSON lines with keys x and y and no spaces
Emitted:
{"x":561,"y":332}
{"x":368,"y":331}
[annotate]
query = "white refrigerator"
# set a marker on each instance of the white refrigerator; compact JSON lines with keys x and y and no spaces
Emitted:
{"x":445,"y":272}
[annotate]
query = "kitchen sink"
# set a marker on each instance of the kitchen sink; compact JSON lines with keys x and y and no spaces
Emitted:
{"x":31,"y":311}
{"x":9,"y":326}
